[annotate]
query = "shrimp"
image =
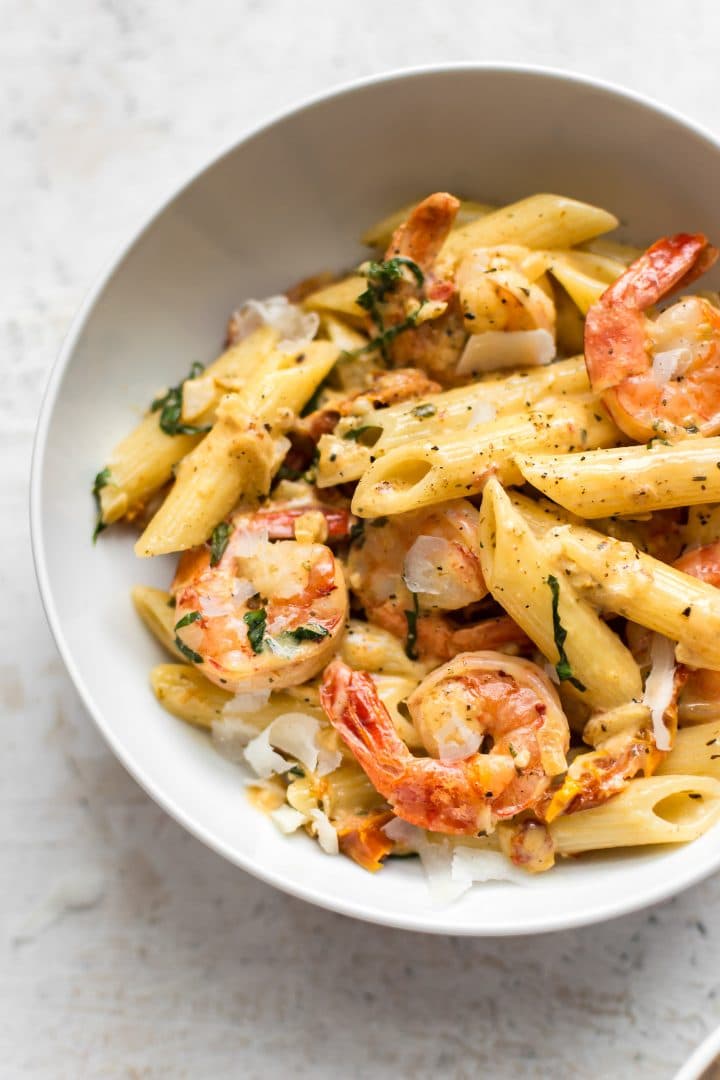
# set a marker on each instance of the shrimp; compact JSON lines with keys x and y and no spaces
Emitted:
{"x":661,"y":376}
{"x":701,"y":696}
{"x":490,"y":290}
{"x":429,"y":557}
{"x":383,"y":388}
{"x":268,"y":615}
{"x":436,"y":343}
{"x":477,"y":695}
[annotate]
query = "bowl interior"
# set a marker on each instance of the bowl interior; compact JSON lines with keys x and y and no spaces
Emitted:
{"x":287,"y":202}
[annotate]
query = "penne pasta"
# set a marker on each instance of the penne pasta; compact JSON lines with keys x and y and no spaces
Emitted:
{"x":655,"y":810}
{"x":696,"y":751}
{"x":188,"y":695}
{"x":521,"y":574}
{"x":630,"y":479}
{"x":422,"y":473}
{"x":540,"y":221}
{"x":340,"y":297}
{"x":237,"y":460}
{"x":143,"y":462}
{"x":157,"y":610}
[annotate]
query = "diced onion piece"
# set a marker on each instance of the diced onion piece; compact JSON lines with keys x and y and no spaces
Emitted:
{"x":494,"y":350}
{"x":287,"y":819}
{"x":327,"y":837}
{"x":248,"y":542}
{"x":483,"y":412}
{"x":659,"y":687}
{"x":473,"y":864}
{"x":666,"y":365}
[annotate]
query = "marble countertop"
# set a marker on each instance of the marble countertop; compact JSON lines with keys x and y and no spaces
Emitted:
{"x":164,"y":960}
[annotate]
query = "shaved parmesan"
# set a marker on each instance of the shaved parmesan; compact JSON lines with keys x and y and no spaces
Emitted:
{"x":483,"y":412}
{"x":436,"y":858}
{"x":248,"y":542}
{"x":261,"y":757}
{"x":474,"y":864}
{"x":659,"y":687}
{"x":294,"y":325}
{"x":495,"y":350}
{"x":326,"y":834}
{"x":328,"y":761}
{"x":287,"y":819}
{"x":249,"y":702}
{"x":231,"y":734}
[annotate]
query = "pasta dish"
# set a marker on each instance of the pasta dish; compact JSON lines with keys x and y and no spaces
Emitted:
{"x":448,"y":542}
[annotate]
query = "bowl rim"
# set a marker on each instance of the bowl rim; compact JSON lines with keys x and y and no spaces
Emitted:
{"x":703,"y":1056}
{"x":431,"y":921}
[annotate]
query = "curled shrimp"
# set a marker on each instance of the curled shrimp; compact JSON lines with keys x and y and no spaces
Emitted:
{"x":435,"y":343}
{"x":661,"y":376}
{"x":269,"y":614}
{"x":510,"y":702}
{"x":701,"y":696}
{"x":411,"y":569}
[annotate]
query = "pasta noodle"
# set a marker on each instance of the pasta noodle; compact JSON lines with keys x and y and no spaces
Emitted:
{"x":628,"y":480}
{"x":389,"y":604}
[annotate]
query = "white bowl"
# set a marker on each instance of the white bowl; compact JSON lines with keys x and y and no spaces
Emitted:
{"x":288,"y":200}
{"x":707,"y":1054}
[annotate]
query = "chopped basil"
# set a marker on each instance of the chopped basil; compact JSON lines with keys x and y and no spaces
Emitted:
{"x":357,"y":533}
{"x":307,"y":633}
{"x":424,"y":411}
{"x":563,"y":669}
{"x":411,"y":639}
{"x":382,"y":278}
{"x":219,"y":541}
{"x":188,"y":653}
{"x":101,"y":480}
{"x":313,"y":402}
{"x":355,"y":434}
{"x":255,"y":622}
{"x":170,"y":406}
{"x":191,"y":617}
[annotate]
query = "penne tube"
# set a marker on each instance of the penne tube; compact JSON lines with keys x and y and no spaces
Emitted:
{"x":144,"y":461}
{"x":188,"y":695}
{"x":519,"y":571}
{"x":540,"y":221}
{"x":655,"y":810}
{"x":427,"y":472}
{"x":340,"y":297}
{"x":156,"y":608}
{"x":464,"y":409}
{"x":238,"y":458}
{"x":703,"y":525}
{"x":630,"y":479}
{"x":380,"y":234}
{"x":584,"y":276}
{"x":696,"y":751}
{"x":625,"y":581}
{"x":612,"y":249}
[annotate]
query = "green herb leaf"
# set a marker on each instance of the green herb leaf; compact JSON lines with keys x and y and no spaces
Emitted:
{"x":219,"y":541}
{"x":564,"y":671}
{"x":424,"y":411}
{"x":411,"y":639}
{"x":355,"y":434}
{"x":313,"y":402}
{"x":188,"y":653}
{"x":170,"y":406}
{"x":191,"y":617}
{"x":382,"y":278}
{"x":307,"y":633}
{"x":255,"y":622}
{"x":101,"y":480}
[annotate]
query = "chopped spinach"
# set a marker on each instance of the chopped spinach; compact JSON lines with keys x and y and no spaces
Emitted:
{"x":564,"y":671}
{"x":170,"y":406}
{"x":219,"y":541}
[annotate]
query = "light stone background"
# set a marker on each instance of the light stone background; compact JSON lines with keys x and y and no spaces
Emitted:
{"x":182,"y":965}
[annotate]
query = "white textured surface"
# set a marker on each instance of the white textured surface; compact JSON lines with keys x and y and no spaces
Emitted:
{"x":186,"y":966}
